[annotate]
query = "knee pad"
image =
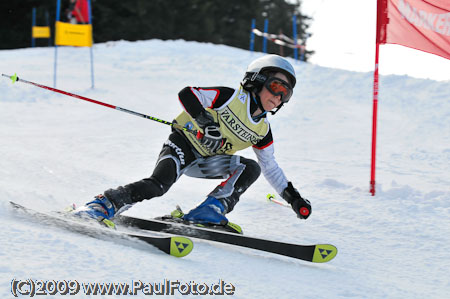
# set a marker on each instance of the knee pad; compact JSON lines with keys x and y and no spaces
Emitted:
{"x":252,"y":170}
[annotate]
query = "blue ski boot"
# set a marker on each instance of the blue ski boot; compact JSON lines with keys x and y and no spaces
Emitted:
{"x":211,"y":211}
{"x":100,"y":209}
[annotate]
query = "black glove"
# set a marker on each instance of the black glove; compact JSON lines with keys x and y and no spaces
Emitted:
{"x":211,"y":137}
{"x":300,"y":205}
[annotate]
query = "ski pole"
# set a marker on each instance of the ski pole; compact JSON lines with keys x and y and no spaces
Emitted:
{"x":304,"y":211}
{"x":271,"y":198}
{"x":175,"y":125}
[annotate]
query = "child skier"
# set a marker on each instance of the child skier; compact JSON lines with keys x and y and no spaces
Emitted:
{"x":228,"y":120}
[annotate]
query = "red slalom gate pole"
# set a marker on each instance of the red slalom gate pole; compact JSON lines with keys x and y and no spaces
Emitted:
{"x":177,"y":126}
{"x":374,"y":121}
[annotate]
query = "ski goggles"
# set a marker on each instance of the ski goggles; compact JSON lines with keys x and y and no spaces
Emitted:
{"x":279,"y":87}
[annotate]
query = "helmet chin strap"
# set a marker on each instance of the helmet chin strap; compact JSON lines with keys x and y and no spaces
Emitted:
{"x":257,"y":100}
{"x":278,"y":108}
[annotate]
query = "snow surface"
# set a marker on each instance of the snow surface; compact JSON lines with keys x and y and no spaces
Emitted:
{"x":56,"y":150}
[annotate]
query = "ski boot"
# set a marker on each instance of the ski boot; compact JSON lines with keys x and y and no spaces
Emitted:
{"x":100,"y":209}
{"x":211,"y":211}
{"x":209,"y":214}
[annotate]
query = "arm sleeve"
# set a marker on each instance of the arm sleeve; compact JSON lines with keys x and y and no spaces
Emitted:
{"x":195,"y":99}
{"x":269,"y":167}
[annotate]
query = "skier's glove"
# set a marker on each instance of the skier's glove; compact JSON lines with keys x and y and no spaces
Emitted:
{"x":211,"y":137}
{"x":301,"y":206}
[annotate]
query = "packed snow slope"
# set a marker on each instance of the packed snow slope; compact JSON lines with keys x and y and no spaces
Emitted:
{"x":57,"y":150}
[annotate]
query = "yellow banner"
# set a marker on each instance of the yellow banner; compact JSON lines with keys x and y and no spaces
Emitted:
{"x":40,"y":32}
{"x":73,"y":34}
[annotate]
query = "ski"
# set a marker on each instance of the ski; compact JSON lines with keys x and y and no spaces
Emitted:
{"x":319,"y":253}
{"x":174,"y":245}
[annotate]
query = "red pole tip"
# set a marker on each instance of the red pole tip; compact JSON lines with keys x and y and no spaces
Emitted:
{"x":372,"y":188}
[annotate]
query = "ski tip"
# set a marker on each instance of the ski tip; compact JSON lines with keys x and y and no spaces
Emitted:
{"x":180,"y":246}
{"x":234,"y":228}
{"x":15,"y":205}
{"x":324,"y":253}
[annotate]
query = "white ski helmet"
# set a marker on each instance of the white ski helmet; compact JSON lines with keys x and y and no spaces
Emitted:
{"x":253,"y":78}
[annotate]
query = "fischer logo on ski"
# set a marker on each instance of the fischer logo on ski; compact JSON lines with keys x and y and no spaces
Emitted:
{"x":320,"y":253}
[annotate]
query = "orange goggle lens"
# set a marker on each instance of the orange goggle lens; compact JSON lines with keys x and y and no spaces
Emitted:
{"x":277,"y":87}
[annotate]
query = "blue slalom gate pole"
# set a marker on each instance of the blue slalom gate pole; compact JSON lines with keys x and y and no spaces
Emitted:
{"x":252,"y":36}
{"x":33,"y":23}
{"x":294,"y":33}
{"x":92,"y":53}
{"x":266,"y":28}
{"x":47,"y":17}
{"x":58,"y":8}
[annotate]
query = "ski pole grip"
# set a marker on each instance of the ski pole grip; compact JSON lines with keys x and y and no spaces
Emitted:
{"x":304,"y":211}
